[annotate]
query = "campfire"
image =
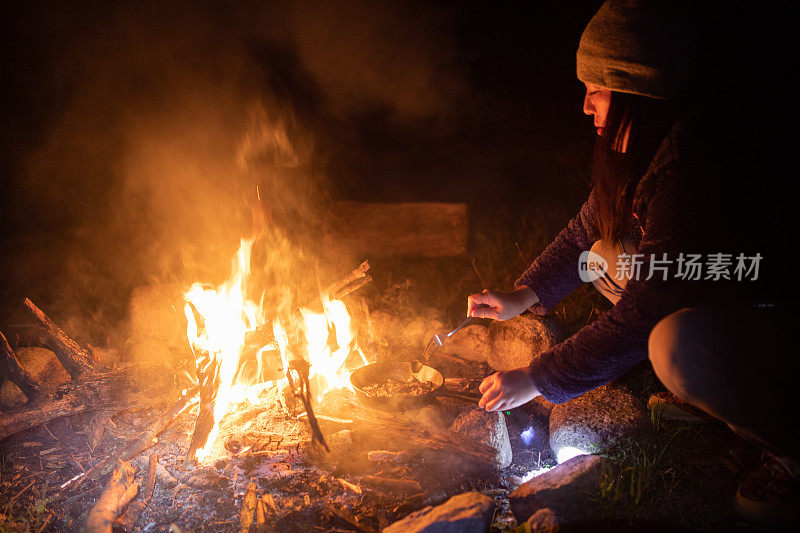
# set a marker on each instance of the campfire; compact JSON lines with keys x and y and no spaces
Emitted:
{"x":278,"y":411}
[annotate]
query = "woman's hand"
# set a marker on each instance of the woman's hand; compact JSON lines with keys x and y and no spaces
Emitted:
{"x":507,"y":390}
{"x":500,"y":305}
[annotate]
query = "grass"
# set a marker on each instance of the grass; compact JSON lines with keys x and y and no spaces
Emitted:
{"x":680,"y":479}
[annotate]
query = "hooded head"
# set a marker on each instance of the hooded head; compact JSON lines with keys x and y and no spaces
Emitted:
{"x":642,"y":47}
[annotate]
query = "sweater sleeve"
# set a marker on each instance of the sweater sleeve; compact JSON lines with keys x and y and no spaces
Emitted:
{"x":617,"y":341}
{"x":554,"y":274}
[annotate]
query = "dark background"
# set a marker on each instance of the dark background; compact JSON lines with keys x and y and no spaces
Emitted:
{"x":123,"y":125}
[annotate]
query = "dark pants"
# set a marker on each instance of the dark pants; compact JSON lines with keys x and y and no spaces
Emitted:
{"x":737,"y":364}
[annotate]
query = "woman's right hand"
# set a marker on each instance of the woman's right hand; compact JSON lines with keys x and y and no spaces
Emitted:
{"x":500,"y":305}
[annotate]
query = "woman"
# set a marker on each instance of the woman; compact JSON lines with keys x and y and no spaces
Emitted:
{"x":705,"y":304}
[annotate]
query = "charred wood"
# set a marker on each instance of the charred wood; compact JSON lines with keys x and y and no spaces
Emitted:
{"x":76,"y":359}
{"x":119,"y":492}
{"x":144,"y":439}
{"x":132,"y":386}
{"x":128,"y":520}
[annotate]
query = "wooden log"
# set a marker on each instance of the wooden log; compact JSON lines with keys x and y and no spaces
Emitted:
{"x":120,"y":490}
{"x":427,"y":229}
{"x":360,"y":272}
{"x":386,"y":484}
{"x":132,"y":386}
{"x":249,"y":504}
{"x":127,"y":522}
{"x":11,"y":369}
{"x":76,"y":359}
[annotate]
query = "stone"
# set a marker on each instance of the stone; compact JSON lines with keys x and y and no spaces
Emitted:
{"x":340,"y":442}
{"x":158,"y":323}
{"x":544,"y":521}
{"x":45,"y":368}
{"x":486,"y":427}
{"x":471,"y":511}
{"x":514,"y":343}
{"x":470,"y":342}
{"x":563,"y":490}
{"x":595,"y":421}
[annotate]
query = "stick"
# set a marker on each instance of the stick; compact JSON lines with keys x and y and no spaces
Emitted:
{"x":76,"y":359}
{"x":352,"y":287}
{"x":358,"y":273}
{"x":143,"y":440}
{"x":10,"y":367}
{"x":120,"y":490}
{"x":127,"y":521}
{"x":407,"y":486}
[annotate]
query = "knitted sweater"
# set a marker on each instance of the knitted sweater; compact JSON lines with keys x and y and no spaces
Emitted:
{"x":685,"y":202}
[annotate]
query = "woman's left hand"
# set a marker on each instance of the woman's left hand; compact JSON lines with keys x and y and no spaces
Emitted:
{"x":507,"y":390}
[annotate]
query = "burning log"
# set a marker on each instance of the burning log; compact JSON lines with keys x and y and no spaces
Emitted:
{"x":119,"y":492}
{"x":249,"y":504}
{"x":128,"y":520}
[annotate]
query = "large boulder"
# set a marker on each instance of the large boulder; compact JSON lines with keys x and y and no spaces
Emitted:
{"x":595,"y":421}
{"x":487,"y":427}
{"x":45,"y":368}
{"x":562,"y":491}
{"x":471,"y":511}
{"x":158,"y":323}
{"x":514,"y":343}
{"x":470,"y":342}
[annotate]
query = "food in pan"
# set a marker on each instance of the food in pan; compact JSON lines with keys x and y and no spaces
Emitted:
{"x":390,"y":387}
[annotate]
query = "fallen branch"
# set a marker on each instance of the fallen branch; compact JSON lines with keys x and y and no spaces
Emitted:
{"x":120,"y":490}
{"x":129,"y":387}
{"x":128,"y":520}
{"x":76,"y":359}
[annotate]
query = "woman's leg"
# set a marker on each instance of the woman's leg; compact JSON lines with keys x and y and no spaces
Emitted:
{"x":739,"y":366}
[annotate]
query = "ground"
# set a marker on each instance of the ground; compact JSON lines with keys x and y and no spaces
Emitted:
{"x":685,"y":480}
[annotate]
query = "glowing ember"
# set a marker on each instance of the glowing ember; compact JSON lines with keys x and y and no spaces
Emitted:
{"x":218,"y":320}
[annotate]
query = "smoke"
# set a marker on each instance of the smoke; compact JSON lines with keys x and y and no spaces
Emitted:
{"x":169,"y":125}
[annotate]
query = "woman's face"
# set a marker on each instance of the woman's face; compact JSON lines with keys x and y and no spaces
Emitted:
{"x":596,"y":103}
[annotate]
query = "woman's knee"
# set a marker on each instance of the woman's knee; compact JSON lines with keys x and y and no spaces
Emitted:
{"x":670,"y":350}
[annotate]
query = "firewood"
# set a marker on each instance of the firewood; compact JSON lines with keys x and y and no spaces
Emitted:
{"x":76,"y":359}
{"x":141,"y":442}
{"x":10,"y":368}
{"x":118,"y":493}
{"x":385,"y":484}
{"x":124,"y":388}
{"x":261,"y":515}
{"x":249,"y":504}
{"x":96,"y":426}
{"x":360,"y":272}
{"x":128,"y":520}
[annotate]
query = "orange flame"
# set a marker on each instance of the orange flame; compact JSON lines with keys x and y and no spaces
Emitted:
{"x":217,"y":337}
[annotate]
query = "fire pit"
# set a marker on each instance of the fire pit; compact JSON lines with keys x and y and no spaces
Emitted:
{"x":275,"y":424}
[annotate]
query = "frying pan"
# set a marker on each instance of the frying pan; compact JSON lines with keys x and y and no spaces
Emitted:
{"x":380,"y":371}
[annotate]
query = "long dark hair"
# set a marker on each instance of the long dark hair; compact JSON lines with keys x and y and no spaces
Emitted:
{"x":615,"y":173}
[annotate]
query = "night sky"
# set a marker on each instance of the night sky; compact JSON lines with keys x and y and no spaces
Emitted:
{"x":125,"y":125}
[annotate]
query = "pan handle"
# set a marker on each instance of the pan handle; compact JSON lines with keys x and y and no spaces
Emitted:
{"x":467,"y":396}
